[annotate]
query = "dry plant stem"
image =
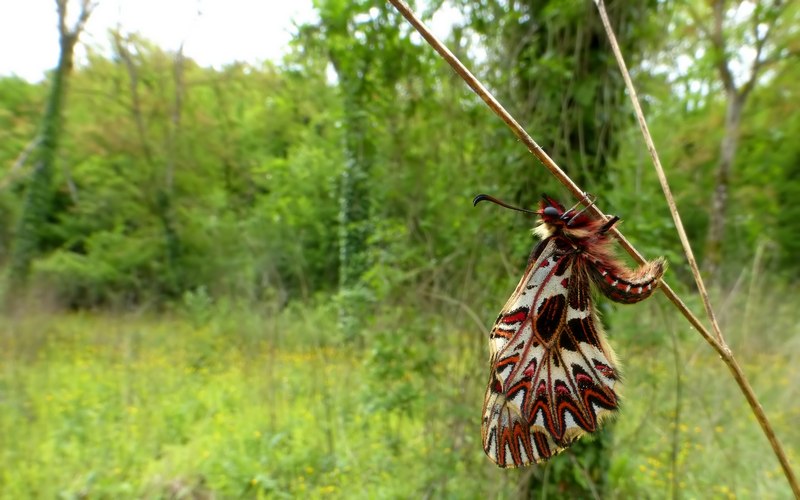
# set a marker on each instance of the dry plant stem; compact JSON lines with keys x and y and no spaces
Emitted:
{"x":537,"y":151}
{"x":717,"y":343}
{"x":720,"y":345}
{"x":662,"y":178}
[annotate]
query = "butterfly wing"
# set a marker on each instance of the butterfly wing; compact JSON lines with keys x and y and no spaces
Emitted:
{"x":552,"y":372}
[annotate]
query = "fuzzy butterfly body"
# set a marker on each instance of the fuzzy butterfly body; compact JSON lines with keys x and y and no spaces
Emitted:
{"x":553,"y":375}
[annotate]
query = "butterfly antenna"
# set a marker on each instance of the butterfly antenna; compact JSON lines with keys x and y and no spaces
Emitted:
{"x":586,"y":197}
{"x":486,"y":197}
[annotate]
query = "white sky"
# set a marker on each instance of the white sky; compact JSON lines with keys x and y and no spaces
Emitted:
{"x":214,"y":31}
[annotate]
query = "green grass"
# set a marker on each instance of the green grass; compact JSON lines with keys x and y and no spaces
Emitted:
{"x":238,"y":404}
{"x":114,"y":406}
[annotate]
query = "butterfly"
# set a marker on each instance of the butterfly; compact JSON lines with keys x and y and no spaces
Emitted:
{"x":553,"y":375}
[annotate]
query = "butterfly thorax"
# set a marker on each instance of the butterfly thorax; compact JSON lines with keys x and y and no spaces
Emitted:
{"x":584,"y":241}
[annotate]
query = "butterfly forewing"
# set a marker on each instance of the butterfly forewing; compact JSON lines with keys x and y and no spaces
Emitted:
{"x":545,"y":389}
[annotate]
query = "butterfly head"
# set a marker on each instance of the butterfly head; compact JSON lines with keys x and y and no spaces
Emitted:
{"x":554,"y":219}
{"x":574,"y":222}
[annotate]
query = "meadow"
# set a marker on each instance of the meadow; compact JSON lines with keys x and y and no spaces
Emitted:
{"x":215,"y":400}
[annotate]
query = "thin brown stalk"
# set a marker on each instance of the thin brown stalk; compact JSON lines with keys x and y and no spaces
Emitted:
{"x":662,"y":177}
{"x":717,"y":343}
{"x":537,"y":151}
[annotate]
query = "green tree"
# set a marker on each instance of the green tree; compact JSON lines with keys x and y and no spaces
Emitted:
{"x":19,"y":115}
{"x":36,"y":211}
{"x":724,"y":33}
{"x":368,"y":52}
{"x":186,"y":177}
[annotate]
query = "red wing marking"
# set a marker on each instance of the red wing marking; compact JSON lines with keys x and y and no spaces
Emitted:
{"x":515,"y":317}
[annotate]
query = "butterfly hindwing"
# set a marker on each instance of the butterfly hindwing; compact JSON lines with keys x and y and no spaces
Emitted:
{"x":552,"y":374}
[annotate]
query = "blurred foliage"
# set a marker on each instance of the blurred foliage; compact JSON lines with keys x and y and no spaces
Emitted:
{"x":232,"y":179}
{"x":217,"y":399}
{"x":218,"y":198}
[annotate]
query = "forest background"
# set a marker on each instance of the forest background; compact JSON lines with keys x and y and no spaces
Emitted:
{"x":269,"y":280}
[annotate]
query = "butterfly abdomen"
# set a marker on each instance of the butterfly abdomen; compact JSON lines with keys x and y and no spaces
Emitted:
{"x":625,"y":286}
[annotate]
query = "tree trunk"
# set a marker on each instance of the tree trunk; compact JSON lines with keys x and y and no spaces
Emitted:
{"x":352,"y":63}
{"x":161,"y":202}
{"x":37,"y":205}
{"x":719,"y":204}
{"x":354,"y":210}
